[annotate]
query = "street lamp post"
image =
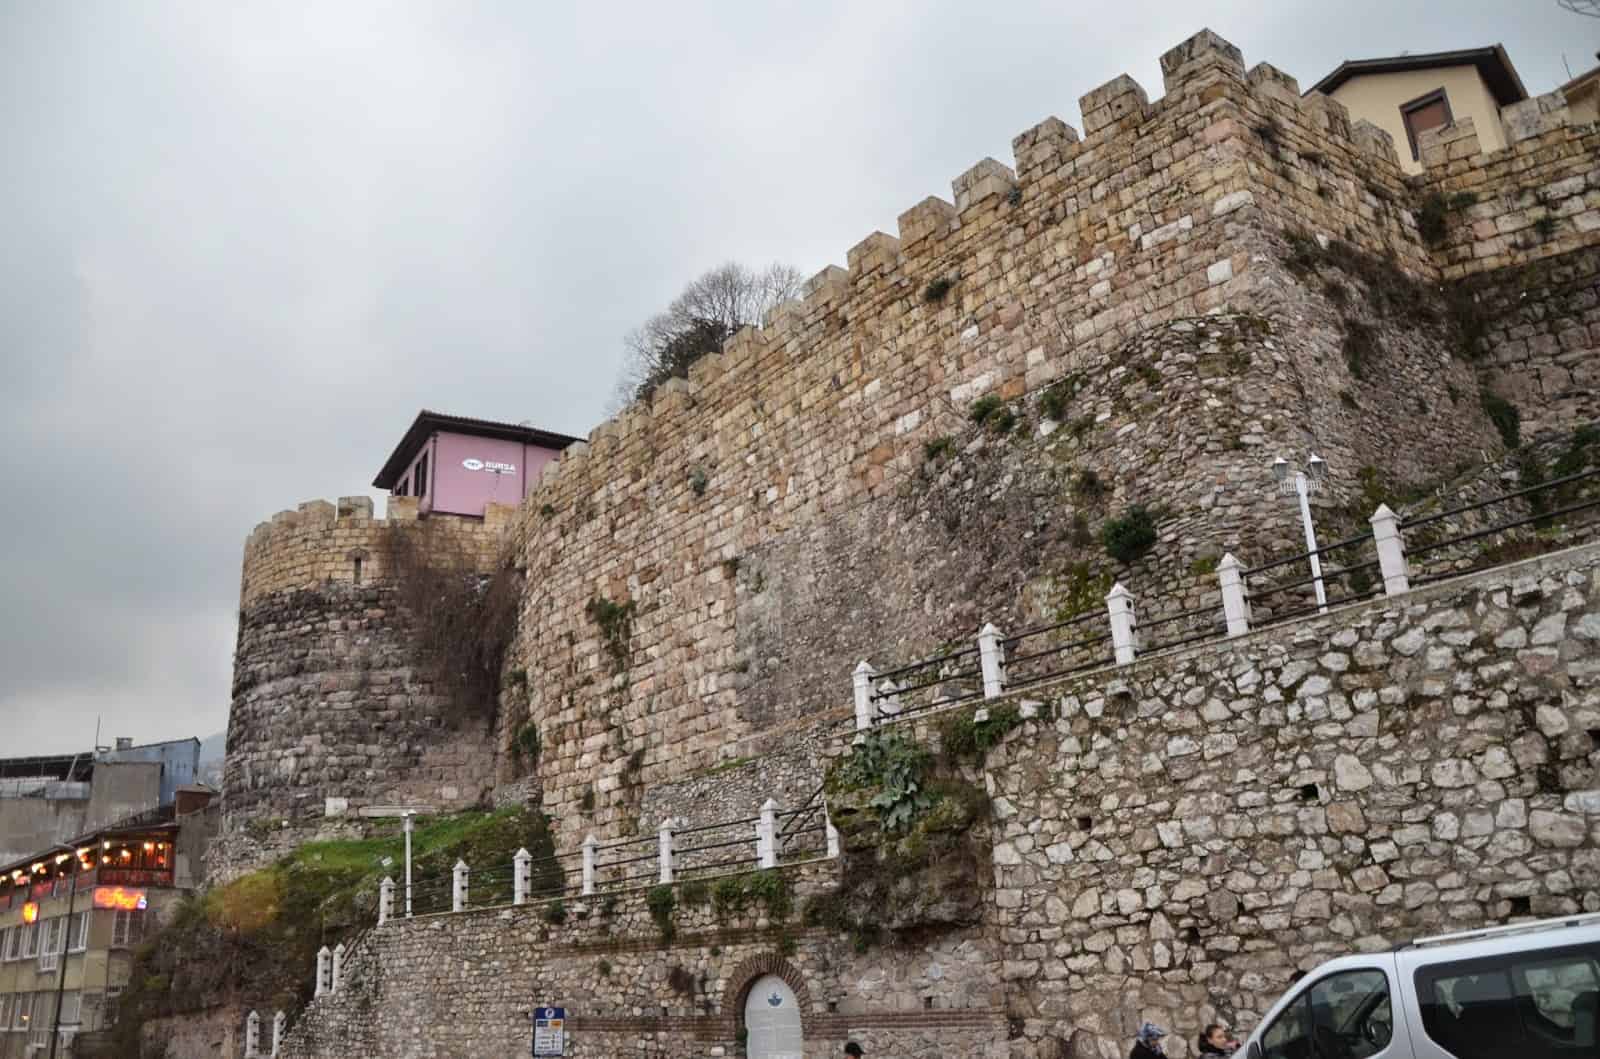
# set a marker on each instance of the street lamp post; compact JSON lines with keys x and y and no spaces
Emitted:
{"x":1303,"y":484}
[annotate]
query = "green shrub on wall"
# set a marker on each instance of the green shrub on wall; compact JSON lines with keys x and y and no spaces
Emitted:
{"x":1128,"y":537}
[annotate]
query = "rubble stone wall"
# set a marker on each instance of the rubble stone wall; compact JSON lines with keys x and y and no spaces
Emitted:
{"x":1190,"y":830}
{"x":328,"y":698}
{"x":629,"y":992}
{"x":708,"y":563}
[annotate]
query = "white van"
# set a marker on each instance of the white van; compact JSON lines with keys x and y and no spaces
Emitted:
{"x":1523,"y":991}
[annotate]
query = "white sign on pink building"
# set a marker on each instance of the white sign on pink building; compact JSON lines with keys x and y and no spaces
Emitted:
{"x":456,"y":466}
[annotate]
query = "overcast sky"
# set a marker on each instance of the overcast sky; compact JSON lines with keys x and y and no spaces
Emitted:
{"x":241,"y":244}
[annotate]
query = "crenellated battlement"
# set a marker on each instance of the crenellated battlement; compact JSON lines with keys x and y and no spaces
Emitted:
{"x":321,"y":542}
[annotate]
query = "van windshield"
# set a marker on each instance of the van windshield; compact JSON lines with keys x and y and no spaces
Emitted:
{"x":1347,"y":1015}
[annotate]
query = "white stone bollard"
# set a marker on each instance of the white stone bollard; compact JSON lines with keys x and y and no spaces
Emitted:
{"x":1119,"y":602}
{"x":1235,"y":605}
{"x":664,"y":837}
{"x":866,"y":714}
{"x":1391,"y":551}
{"x":385,"y":901}
{"x":338,"y":968}
{"x":521,"y":876}
{"x":252,"y":1036}
{"x":767,"y":835}
{"x":280,"y":1022}
{"x":458,"y":886}
{"x":992,"y":659}
{"x":589,"y":845}
{"x":324,"y":957}
{"x":832,"y":833}
{"x":887,"y":704}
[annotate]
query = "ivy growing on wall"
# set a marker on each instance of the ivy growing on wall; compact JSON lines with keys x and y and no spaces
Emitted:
{"x":615,"y":622}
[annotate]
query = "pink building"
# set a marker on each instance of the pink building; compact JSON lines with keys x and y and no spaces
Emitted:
{"x":456,"y":466}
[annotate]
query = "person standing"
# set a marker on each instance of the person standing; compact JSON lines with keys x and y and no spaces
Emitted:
{"x":1215,"y":1041}
{"x":1147,"y":1042}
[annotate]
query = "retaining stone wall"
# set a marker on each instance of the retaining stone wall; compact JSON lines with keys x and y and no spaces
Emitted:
{"x":1195,"y":828}
{"x":462,"y":985}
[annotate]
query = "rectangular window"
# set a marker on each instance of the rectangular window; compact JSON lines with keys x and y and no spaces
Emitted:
{"x":5,"y":1010}
{"x":422,"y":476}
{"x":22,"y":1011}
{"x":80,"y":932}
{"x":404,"y":487}
{"x":1535,"y":1004}
{"x":71,"y":1009}
{"x":127,"y":929}
{"x":53,"y":936}
{"x":8,"y":948}
{"x":108,"y":1007}
{"x":30,"y":941}
{"x":1424,"y":113}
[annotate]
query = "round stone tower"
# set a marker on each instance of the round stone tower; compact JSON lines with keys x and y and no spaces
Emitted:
{"x":330,"y":709}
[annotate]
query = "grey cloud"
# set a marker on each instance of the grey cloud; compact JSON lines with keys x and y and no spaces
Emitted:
{"x":244,"y":243}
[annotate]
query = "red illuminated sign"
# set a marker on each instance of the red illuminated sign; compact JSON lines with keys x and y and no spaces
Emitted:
{"x":118,"y":897}
{"x":30,"y":911}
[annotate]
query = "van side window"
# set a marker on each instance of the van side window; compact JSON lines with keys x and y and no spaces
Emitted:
{"x":1343,"y":1016}
{"x":1542,"y":1004}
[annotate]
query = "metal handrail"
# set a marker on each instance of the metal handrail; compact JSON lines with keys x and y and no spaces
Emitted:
{"x":1502,"y":498}
{"x":1075,"y":620}
{"x":1302,"y":556}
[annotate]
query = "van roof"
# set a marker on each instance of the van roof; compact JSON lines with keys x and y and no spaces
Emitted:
{"x":1531,"y":926}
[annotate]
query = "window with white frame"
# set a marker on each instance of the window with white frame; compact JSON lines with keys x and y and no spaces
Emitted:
{"x":127,"y":929}
{"x":71,"y":1009}
{"x":80,"y":932}
{"x":22,"y":1011}
{"x":30,"y":940}
{"x":53,"y":936}
{"x":5,"y":1011}
{"x":8,"y":938}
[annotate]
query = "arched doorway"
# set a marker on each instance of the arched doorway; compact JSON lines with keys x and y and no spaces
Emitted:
{"x":772,"y":1018}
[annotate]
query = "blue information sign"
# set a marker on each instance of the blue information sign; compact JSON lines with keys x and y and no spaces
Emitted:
{"x":549,"y":1031}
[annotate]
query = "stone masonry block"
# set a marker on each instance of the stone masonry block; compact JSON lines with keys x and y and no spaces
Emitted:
{"x":1458,"y":139}
{"x":1113,"y":101}
{"x":988,"y":177}
{"x":1327,"y":115}
{"x":878,"y":251}
{"x":786,"y":314}
{"x":706,"y":368}
{"x":1043,"y":144}
{"x":1204,"y":51}
{"x":1534,"y":117}
{"x":401,"y":509}
{"x":1267,"y":80}
{"x":932,"y":216}
{"x":316,"y":513}
{"x":829,"y":285}
{"x":355,"y":507}
{"x":1374,"y":141}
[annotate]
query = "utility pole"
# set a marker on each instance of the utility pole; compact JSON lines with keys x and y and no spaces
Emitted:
{"x":66,"y":943}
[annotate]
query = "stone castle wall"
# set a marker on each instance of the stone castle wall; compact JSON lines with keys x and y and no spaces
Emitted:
{"x":1178,"y":841}
{"x":328,"y":699}
{"x":769,"y":519}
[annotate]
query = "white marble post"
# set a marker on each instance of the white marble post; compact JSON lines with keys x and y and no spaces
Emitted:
{"x":1235,"y":605}
{"x":865,"y":713}
{"x":589,"y":845}
{"x":992,"y":659}
{"x":458,"y":886}
{"x":664,"y":847}
{"x":385,"y":901}
{"x":280,"y":1022}
{"x":832,"y":832}
{"x":324,"y":957}
{"x":886,"y":706}
{"x":1391,"y":551}
{"x":1119,"y":602}
{"x":767,"y":835}
{"x":338,"y":967}
{"x":521,"y":876}
{"x":252,"y":1036}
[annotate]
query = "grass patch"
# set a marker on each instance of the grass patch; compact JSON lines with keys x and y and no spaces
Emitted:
{"x":936,"y":290}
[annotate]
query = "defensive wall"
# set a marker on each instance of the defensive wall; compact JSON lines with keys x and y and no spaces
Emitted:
{"x":331,"y":708}
{"x":697,"y":567}
{"x":1158,"y":306}
{"x":1171,"y":839}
